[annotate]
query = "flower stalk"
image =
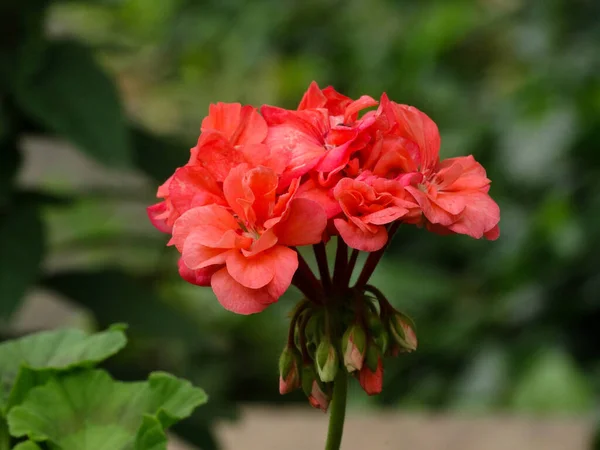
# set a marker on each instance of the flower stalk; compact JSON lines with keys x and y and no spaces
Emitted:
{"x":337,"y":414}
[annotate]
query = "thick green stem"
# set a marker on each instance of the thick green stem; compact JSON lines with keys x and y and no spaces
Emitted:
{"x":4,"y":435}
{"x":337,"y":411}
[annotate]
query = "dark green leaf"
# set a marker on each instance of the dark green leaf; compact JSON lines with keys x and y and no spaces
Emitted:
{"x":72,"y":96}
{"x":90,"y":411}
{"x":21,"y":252}
{"x":30,"y":361}
{"x":114,"y":296}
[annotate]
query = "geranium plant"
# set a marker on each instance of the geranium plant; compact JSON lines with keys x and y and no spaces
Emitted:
{"x":261,"y":182}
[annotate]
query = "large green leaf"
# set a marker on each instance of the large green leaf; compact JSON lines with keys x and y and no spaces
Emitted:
{"x":72,"y":96}
{"x":151,"y":435}
{"x":21,"y":253}
{"x":91,"y":411}
{"x":114,"y":296}
{"x":31,"y":360}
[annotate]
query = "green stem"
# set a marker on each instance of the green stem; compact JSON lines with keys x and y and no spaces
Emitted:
{"x":337,"y":410}
{"x":4,"y":435}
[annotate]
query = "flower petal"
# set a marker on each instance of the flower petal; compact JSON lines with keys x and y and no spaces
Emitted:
{"x":197,"y":256}
{"x":253,"y":272}
{"x":216,"y":153}
{"x":303,"y":225}
{"x":193,"y":186}
{"x":198,"y":277}
{"x":237,"y":298}
{"x":157,"y":215}
{"x":431,"y":211}
{"x":481,"y":215}
{"x":287,"y":264}
{"x":385,"y":216}
{"x":312,"y":98}
{"x":321,"y":195}
{"x":223,"y":117}
{"x":359,"y":239}
{"x":208,"y":222}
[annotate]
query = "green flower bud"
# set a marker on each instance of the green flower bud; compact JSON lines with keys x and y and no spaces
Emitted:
{"x":289,"y":370}
{"x":327,"y":361}
{"x":372,"y":357}
{"x":402,"y":329}
{"x":382,"y":341}
{"x":354,"y":347}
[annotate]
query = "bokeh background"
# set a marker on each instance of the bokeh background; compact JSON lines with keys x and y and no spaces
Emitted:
{"x":101,"y":100}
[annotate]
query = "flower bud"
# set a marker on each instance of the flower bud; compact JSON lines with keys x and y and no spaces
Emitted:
{"x":289,"y":370}
{"x":372,"y":380}
{"x":313,"y":389}
{"x":314,"y":328}
{"x":354,"y":347}
{"x":326,"y":361}
{"x":402,"y":329}
{"x":382,"y":341}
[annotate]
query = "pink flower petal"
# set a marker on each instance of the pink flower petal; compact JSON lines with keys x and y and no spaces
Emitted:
{"x":197,"y":256}
{"x":303,"y":225}
{"x":287,"y":264}
{"x":209,"y":223}
{"x":215,"y":153}
{"x":193,"y":186}
{"x":312,"y":98}
{"x":237,"y":298}
{"x":253,"y":272}
{"x":198,"y":277}
{"x":359,"y":239}
{"x":481,"y":215}
{"x":156,"y":214}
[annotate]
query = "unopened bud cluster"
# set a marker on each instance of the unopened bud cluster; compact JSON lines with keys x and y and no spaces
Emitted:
{"x":324,"y":341}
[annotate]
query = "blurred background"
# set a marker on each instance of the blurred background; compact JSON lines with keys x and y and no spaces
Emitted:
{"x":101,"y":100}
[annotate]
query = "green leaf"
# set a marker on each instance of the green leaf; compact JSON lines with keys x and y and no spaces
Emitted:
{"x":158,"y":156}
{"x":91,"y":411}
{"x":31,"y":360}
{"x":114,"y":296}
{"x":21,"y":251}
{"x":150,"y":436}
{"x":72,"y":96}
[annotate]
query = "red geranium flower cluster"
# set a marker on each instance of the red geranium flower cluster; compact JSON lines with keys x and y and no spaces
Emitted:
{"x":258,"y":184}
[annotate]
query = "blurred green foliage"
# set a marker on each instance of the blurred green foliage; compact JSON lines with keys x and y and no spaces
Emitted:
{"x":506,"y":325}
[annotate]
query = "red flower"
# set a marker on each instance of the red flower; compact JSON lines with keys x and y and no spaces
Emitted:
{"x":246,"y":242}
{"x":256,"y":185}
{"x":320,"y":135}
{"x":369,"y":203}
{"x":453,"y":194}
